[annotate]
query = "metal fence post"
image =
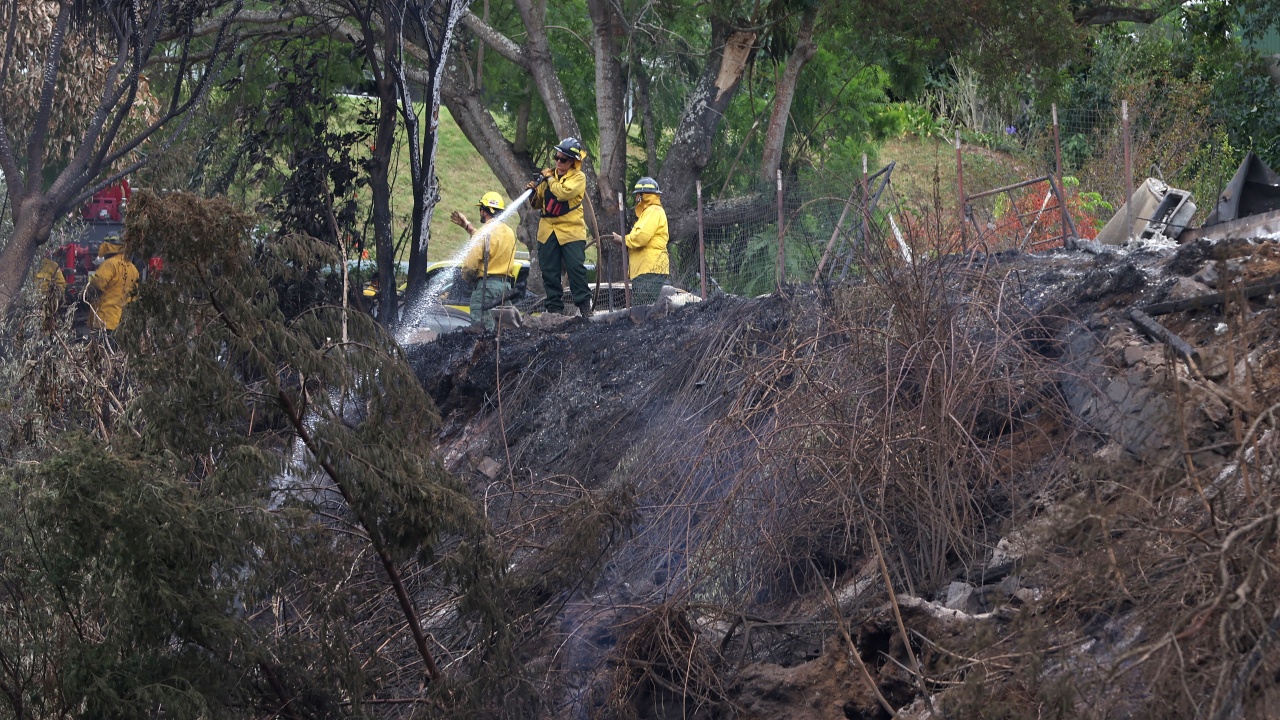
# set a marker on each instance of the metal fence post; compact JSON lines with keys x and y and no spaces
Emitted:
{"x":1057,"y":157}
{"x":626,"y":254}
{"x":960,"y":188}
{"x":1128,"y":171}
{"x":702,"y":247}
{"x":782,"y":258}
{"x":602,"y":264}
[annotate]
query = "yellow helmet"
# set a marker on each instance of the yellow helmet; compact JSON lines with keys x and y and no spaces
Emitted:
{"x":492,"y":201}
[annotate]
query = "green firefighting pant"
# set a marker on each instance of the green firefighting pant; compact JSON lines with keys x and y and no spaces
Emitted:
{"x":488,"y":292}
{"x":556,"y":258}
{"x":645,"y":288}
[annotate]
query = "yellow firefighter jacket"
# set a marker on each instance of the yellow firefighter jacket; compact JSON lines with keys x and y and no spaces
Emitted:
{"x":502,"y":254}
{"x":647,"y":241}
{"x":570,"y":190}
{"x":49,"y":272}
{"x":115,"y":281}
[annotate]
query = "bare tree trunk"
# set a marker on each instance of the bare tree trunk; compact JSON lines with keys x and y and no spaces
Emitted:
{"x":611,"y":92}
{"x":422,"y":177}
{"x":647,"y":126}
{"x":31,"y":225}
{"x":690,"y":150}
{"x":380,"y":189}
{"x":436,"y":23}
{"x":480,"y":52}
{"x":540,"y":66}
{"x":785,"y":92}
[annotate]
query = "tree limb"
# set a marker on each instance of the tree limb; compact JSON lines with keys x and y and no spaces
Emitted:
{"x":505,"y":47}
{"x":40,"y":123}
{"x":1111,"y":14}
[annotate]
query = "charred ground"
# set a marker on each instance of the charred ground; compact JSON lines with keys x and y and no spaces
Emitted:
{"x":970,"y":488}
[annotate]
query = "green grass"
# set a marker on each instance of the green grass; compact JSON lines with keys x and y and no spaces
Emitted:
{"x":463,"y":173}
{"x":464,"y":177}
{"x":927,"y":167}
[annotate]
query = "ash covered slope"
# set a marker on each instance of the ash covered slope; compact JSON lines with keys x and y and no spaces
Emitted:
{"x":674,"y":495}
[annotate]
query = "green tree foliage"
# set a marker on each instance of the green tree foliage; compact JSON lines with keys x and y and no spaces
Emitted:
{"x":247,"y":522}
{"x":1199,"y":97}
{"x":121,"y":582}
{"x":1243,"y":100}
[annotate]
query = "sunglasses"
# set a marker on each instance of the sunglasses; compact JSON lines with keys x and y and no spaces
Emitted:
{"x":563,"y":158}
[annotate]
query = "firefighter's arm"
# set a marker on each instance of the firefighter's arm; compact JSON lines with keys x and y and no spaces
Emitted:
{"x":541,"y":178}
{"x":457,"y":218}
{"x":568,"y":188}
{"x":102,"y":277}
{"x":642,"y":232}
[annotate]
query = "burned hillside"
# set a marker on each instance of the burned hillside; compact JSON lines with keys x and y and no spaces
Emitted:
{"x":708,"y":513}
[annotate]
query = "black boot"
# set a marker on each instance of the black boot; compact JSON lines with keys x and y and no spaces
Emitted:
{"x":584,"y":307}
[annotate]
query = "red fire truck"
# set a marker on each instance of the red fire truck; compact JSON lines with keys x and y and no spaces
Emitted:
{"x":104,"y":217}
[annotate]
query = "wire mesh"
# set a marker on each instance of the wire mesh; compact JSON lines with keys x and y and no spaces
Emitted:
{"x":1082,"y":166}
{"x":822,"y":220}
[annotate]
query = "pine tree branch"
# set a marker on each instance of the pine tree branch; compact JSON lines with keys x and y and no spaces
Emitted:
{"x":375,"y":538}
{"x":278,"y":688}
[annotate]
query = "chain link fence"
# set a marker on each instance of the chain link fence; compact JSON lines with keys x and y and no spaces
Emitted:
{"x":1034,"y":187}
{"x":822,"y":221}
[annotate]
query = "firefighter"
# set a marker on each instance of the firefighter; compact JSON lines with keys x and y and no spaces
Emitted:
{"x":562,"y":231}
{"x":648,"y":263}
{"x":114,"y":281}
{"x":48,"y":277}
{"x":491,"y":288}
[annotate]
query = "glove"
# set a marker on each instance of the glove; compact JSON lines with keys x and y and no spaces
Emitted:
{"x":547,"y":172}
{"x":533,"y":185}
{"x":459,"y":219}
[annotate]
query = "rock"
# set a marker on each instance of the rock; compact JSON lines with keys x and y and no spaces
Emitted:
{"x":1208,"y":275}
{"x":1010,"y":585}
{"x":1214,"y":409}
{"x":507,"y":317}
{"x":489,"y":467}
{"x":1235,"y":267}
{"x":1214,"y":363}
{"x":1117,"y":390}
{"x":1134,"y":409}
{"x":1008,"y":550}
{"x":1111,"y":452}
{"x":1184,"y":288}
{"x":1027,"y":596}
{"x":963,"y":597}
{"x":1134,"y":354}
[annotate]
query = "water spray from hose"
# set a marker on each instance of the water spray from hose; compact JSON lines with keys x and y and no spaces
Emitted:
{"x":431,"y":296}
